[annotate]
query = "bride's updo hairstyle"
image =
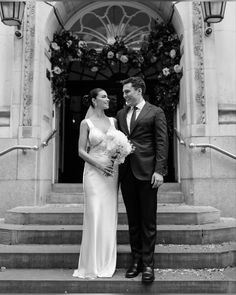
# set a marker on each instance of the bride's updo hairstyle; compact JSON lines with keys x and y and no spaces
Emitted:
{"x":87,"y":99}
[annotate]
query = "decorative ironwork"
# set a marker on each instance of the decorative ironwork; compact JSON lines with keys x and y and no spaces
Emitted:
{"x":102,"y":25}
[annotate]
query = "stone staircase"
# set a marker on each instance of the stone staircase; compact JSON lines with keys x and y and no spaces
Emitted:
{"x":39,"y":247}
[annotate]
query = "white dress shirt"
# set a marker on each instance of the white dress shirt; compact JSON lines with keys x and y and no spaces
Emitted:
{"x":138,"y":110}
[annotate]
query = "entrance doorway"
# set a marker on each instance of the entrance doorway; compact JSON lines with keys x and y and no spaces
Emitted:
{"x":73,"y":112}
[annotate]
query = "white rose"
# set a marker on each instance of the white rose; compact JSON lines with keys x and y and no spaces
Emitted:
{"x":166,"y":72}
{"x":111,"y":40}
{"x":55,"y":46}
{"x":172,"y":53}
{"x":82,"y":44}
{"x":57,"y":70}
{"x":94,"y":69}
{"x":124,"y":59}
{"x":110,"y":54}
{"x":177,"y":68}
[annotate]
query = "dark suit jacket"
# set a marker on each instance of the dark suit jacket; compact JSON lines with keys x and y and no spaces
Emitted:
{"x":150,"y":139}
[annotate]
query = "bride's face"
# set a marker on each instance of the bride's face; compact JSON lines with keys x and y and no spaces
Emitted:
{"x":102,"y":101}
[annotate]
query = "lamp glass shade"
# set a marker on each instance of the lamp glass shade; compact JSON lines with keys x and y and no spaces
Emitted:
{"x":12,"y":13}
{"x":213,"y":11}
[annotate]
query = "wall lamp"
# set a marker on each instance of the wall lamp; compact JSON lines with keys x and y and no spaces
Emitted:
{"x":11,"y":14}
{"x":213,"y":12}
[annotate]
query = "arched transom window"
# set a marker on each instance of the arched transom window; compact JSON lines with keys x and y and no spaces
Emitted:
{"x":101,"y":23}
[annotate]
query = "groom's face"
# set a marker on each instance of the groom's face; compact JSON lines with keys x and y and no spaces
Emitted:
{"x":131,"y":95}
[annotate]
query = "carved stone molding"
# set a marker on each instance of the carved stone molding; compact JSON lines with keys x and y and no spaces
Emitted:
{"x":198,"y":37}
{"x":28,"y":76}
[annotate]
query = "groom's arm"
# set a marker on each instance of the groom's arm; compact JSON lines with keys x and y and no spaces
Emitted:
{"x":161,"y":142}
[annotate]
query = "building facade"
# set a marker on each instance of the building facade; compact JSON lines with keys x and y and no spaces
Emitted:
{"x":206,"y":112}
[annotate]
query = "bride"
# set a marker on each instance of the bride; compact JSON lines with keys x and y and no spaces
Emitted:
{"x":100,"y":183}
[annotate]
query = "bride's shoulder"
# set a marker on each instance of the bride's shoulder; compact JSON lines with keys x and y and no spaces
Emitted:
{"x":113,"y":121}
{"x":85,"y":123}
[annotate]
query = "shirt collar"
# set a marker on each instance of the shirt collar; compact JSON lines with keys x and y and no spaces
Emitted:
{"x":141,"y":104}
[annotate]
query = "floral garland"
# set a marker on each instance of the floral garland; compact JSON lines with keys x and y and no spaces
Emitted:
{"x":160,"y":50}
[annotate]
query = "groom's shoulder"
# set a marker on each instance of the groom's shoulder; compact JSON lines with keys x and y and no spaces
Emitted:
{"x":120,"y":112}
{"x":155,"y":108}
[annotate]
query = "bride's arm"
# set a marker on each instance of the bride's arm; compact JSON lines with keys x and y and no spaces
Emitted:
{"x":83,"y":141}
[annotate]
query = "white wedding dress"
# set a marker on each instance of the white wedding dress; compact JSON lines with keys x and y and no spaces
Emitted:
{"x":98,"y":248}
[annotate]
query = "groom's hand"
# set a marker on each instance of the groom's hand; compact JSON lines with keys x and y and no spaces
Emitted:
{"x":157,"y":180}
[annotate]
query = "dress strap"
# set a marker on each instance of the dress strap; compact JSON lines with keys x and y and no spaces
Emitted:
{"x":90,"y":123}
{"x":112,"y":121}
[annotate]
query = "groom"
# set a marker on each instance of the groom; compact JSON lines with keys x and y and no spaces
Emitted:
{"x":142,"y":173}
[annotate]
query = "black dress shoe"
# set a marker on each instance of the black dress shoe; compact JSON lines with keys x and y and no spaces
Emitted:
{"x":148,"y":275}
{"x":133,"y":270}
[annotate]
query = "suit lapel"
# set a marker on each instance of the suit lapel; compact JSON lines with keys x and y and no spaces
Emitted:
{"x":146,"y":108}
{"x":123,"y":121}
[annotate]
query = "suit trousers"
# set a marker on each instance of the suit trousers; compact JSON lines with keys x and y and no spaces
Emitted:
{"x":141,"y":205}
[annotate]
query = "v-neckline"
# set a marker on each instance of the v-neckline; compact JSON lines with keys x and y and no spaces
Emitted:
{"x":105,"y":133}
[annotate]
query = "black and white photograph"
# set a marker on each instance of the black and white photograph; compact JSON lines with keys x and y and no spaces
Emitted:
{"x":117,"y":147}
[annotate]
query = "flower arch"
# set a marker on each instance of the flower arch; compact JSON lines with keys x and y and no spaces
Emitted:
{"x":159,"y":51}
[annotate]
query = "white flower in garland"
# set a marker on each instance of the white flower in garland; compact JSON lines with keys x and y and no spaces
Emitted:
{"x":124,"y":59}
{"x":177,"y":69}
{"x":111,"y":40}
{"x":57,"y":70}
{"x":166,"y":72}
{"x":94,"y":69}
{"x":172,"y":53}
{"x":110,"y":54}
{"x":82,"y":44}
{"x":55,"y":46}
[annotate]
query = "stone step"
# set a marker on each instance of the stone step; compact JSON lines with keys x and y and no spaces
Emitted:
{"x":73,"y":214}
{"x":223,"y":231}
{"x":166,"y":256}
{"x":78,"y":187}
{"x":78,"y":198}
{"x":110,"y":293}
{"x":60,"y":281}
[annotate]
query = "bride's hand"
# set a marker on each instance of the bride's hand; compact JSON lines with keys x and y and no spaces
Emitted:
{"x":107,"y":170}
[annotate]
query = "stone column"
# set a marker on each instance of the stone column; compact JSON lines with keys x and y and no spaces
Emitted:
{"x":208,"y":178}
{"x":28,"y":70}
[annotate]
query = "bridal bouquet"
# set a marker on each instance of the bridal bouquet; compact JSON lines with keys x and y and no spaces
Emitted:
{"x":118,"y":146}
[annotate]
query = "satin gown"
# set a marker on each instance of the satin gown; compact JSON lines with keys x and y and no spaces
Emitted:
{"x":98,"y":250}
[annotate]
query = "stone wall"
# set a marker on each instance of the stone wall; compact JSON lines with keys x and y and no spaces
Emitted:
{"x":207,"y":112}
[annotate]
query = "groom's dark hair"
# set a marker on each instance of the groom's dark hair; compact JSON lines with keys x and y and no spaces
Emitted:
{"x":137,"y":82}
